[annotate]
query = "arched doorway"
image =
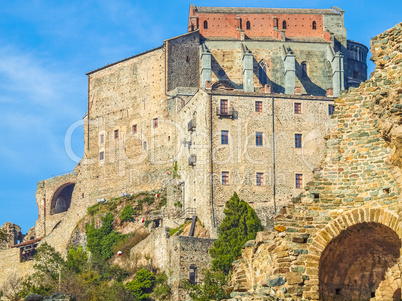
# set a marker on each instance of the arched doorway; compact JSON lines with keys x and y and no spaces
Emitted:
{"x":357,"y":264}
{"x":61,"y":200}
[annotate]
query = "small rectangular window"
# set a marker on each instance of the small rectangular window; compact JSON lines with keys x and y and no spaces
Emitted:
{"x":298,"y":108}
{"x":224,"y":106}
{"x":155,"y":122}
{"x":116,"y":134}
{"x":298,"y":140}
{"x":134,"y":129}
{"x":225,"y":178}
{"x":102,"y":138}
{"x":224,"y":137}
{"x":356,"y":74}
{"x":299,"y":180}
{"x":101,"y":156}
{"x":258,"y":139}
{"x":258,"y":106}
{"x":144,"y":145}
{"x":260,"y":179}
{"x":331,"y":109}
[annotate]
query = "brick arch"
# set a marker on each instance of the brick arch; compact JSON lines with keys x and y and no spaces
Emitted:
{"x":324,"y":236}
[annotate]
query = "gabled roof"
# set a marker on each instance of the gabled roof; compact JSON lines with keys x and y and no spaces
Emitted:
{"x":259,"y":10}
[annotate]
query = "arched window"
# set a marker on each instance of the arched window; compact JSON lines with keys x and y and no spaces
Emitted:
{"x":314,"y":25}
{"x":262,"y":73}
{"x":193,"y":274}
{"x":304,"y":69}
{"x":205,"y":24}
{"x":284,"y":25}
{"x":248,"y":25}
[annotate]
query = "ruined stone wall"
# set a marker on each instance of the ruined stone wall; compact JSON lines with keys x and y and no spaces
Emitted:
{"x":185,"y":251}
{"x":329,"y":241}
{"x":227,"y":57}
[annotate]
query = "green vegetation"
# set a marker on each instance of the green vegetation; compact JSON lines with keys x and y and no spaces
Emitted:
{"x":85,"y":280}
{"x":213,"y":288}
{"x":178,"y":204}
{"x":175,"y":170}
{"x":142,"y":285}
{"x":146,"y":224}
{"x":127,"y":213}
{"x":240,"y":224}
{"x":100,"y":241}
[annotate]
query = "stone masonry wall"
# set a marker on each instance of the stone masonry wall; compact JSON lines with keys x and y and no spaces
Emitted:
{"x":355,"y":194}
{"x":227,"y":56}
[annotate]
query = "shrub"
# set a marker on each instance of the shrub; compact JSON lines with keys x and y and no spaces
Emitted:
{"x":240,"y":224}
{"x":100,"y":241}
{"x":94,"y":209}
{"x":149,"y":200}
{"x":146,"y":224}
{"x":76,"y":259}
{"x":127,"y":213}
{"x":142,"y":285}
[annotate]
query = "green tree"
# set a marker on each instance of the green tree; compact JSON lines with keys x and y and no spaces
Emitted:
{"x":213,"y":287}
{"x":240,"y":224}
{"x":77,"y":259}
{"x":142,"y":285}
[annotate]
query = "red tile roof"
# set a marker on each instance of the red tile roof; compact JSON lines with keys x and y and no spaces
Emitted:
{"x":27,"y":243}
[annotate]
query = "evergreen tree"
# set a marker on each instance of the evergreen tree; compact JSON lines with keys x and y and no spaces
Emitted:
{"x":240,"y":224}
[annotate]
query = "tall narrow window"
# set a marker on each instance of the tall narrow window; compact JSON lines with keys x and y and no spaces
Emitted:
{"x":224,"y":106}
{"x":193,"y":274}
{"x":225,"y":178}
{"x":102,"y":156}
{"x":155,"y":122}
{"x":298,"y":140}
{"x":284,"y":25}
{"x":331,"y":109}
{"x":224,"y":137}
{"x":144,"y":145}
{"x":102,"y":138}
{"x":116,"y":134}
{"x":258,"y":106}
{"x":262,"y":73}
{"x":298,"y":108}
{"x":314,"y":25}
{"x":304,"y":69}
{"x":260,"y":179}
{"x":205,"y":24}
{"x":275,"y":22}
{"x":248,"y":25}
{"x":134,"y":129}
{"x":299,"y":180}
{"x":258,"y":139}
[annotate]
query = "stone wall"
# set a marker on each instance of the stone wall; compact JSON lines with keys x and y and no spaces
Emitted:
{"x":183,"y":61}
{"x":227,"y":57}
{"x":328,"y":243}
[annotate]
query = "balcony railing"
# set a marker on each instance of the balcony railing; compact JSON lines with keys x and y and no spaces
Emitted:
{"x":225,"y":113}
{"x":192,"y":125}
{"x":192,"y":160}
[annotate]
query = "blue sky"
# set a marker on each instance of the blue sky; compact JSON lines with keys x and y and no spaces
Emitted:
{"x":46,"y":47}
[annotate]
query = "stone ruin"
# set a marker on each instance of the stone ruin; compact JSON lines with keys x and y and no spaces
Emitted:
{"x":341,"y":238}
